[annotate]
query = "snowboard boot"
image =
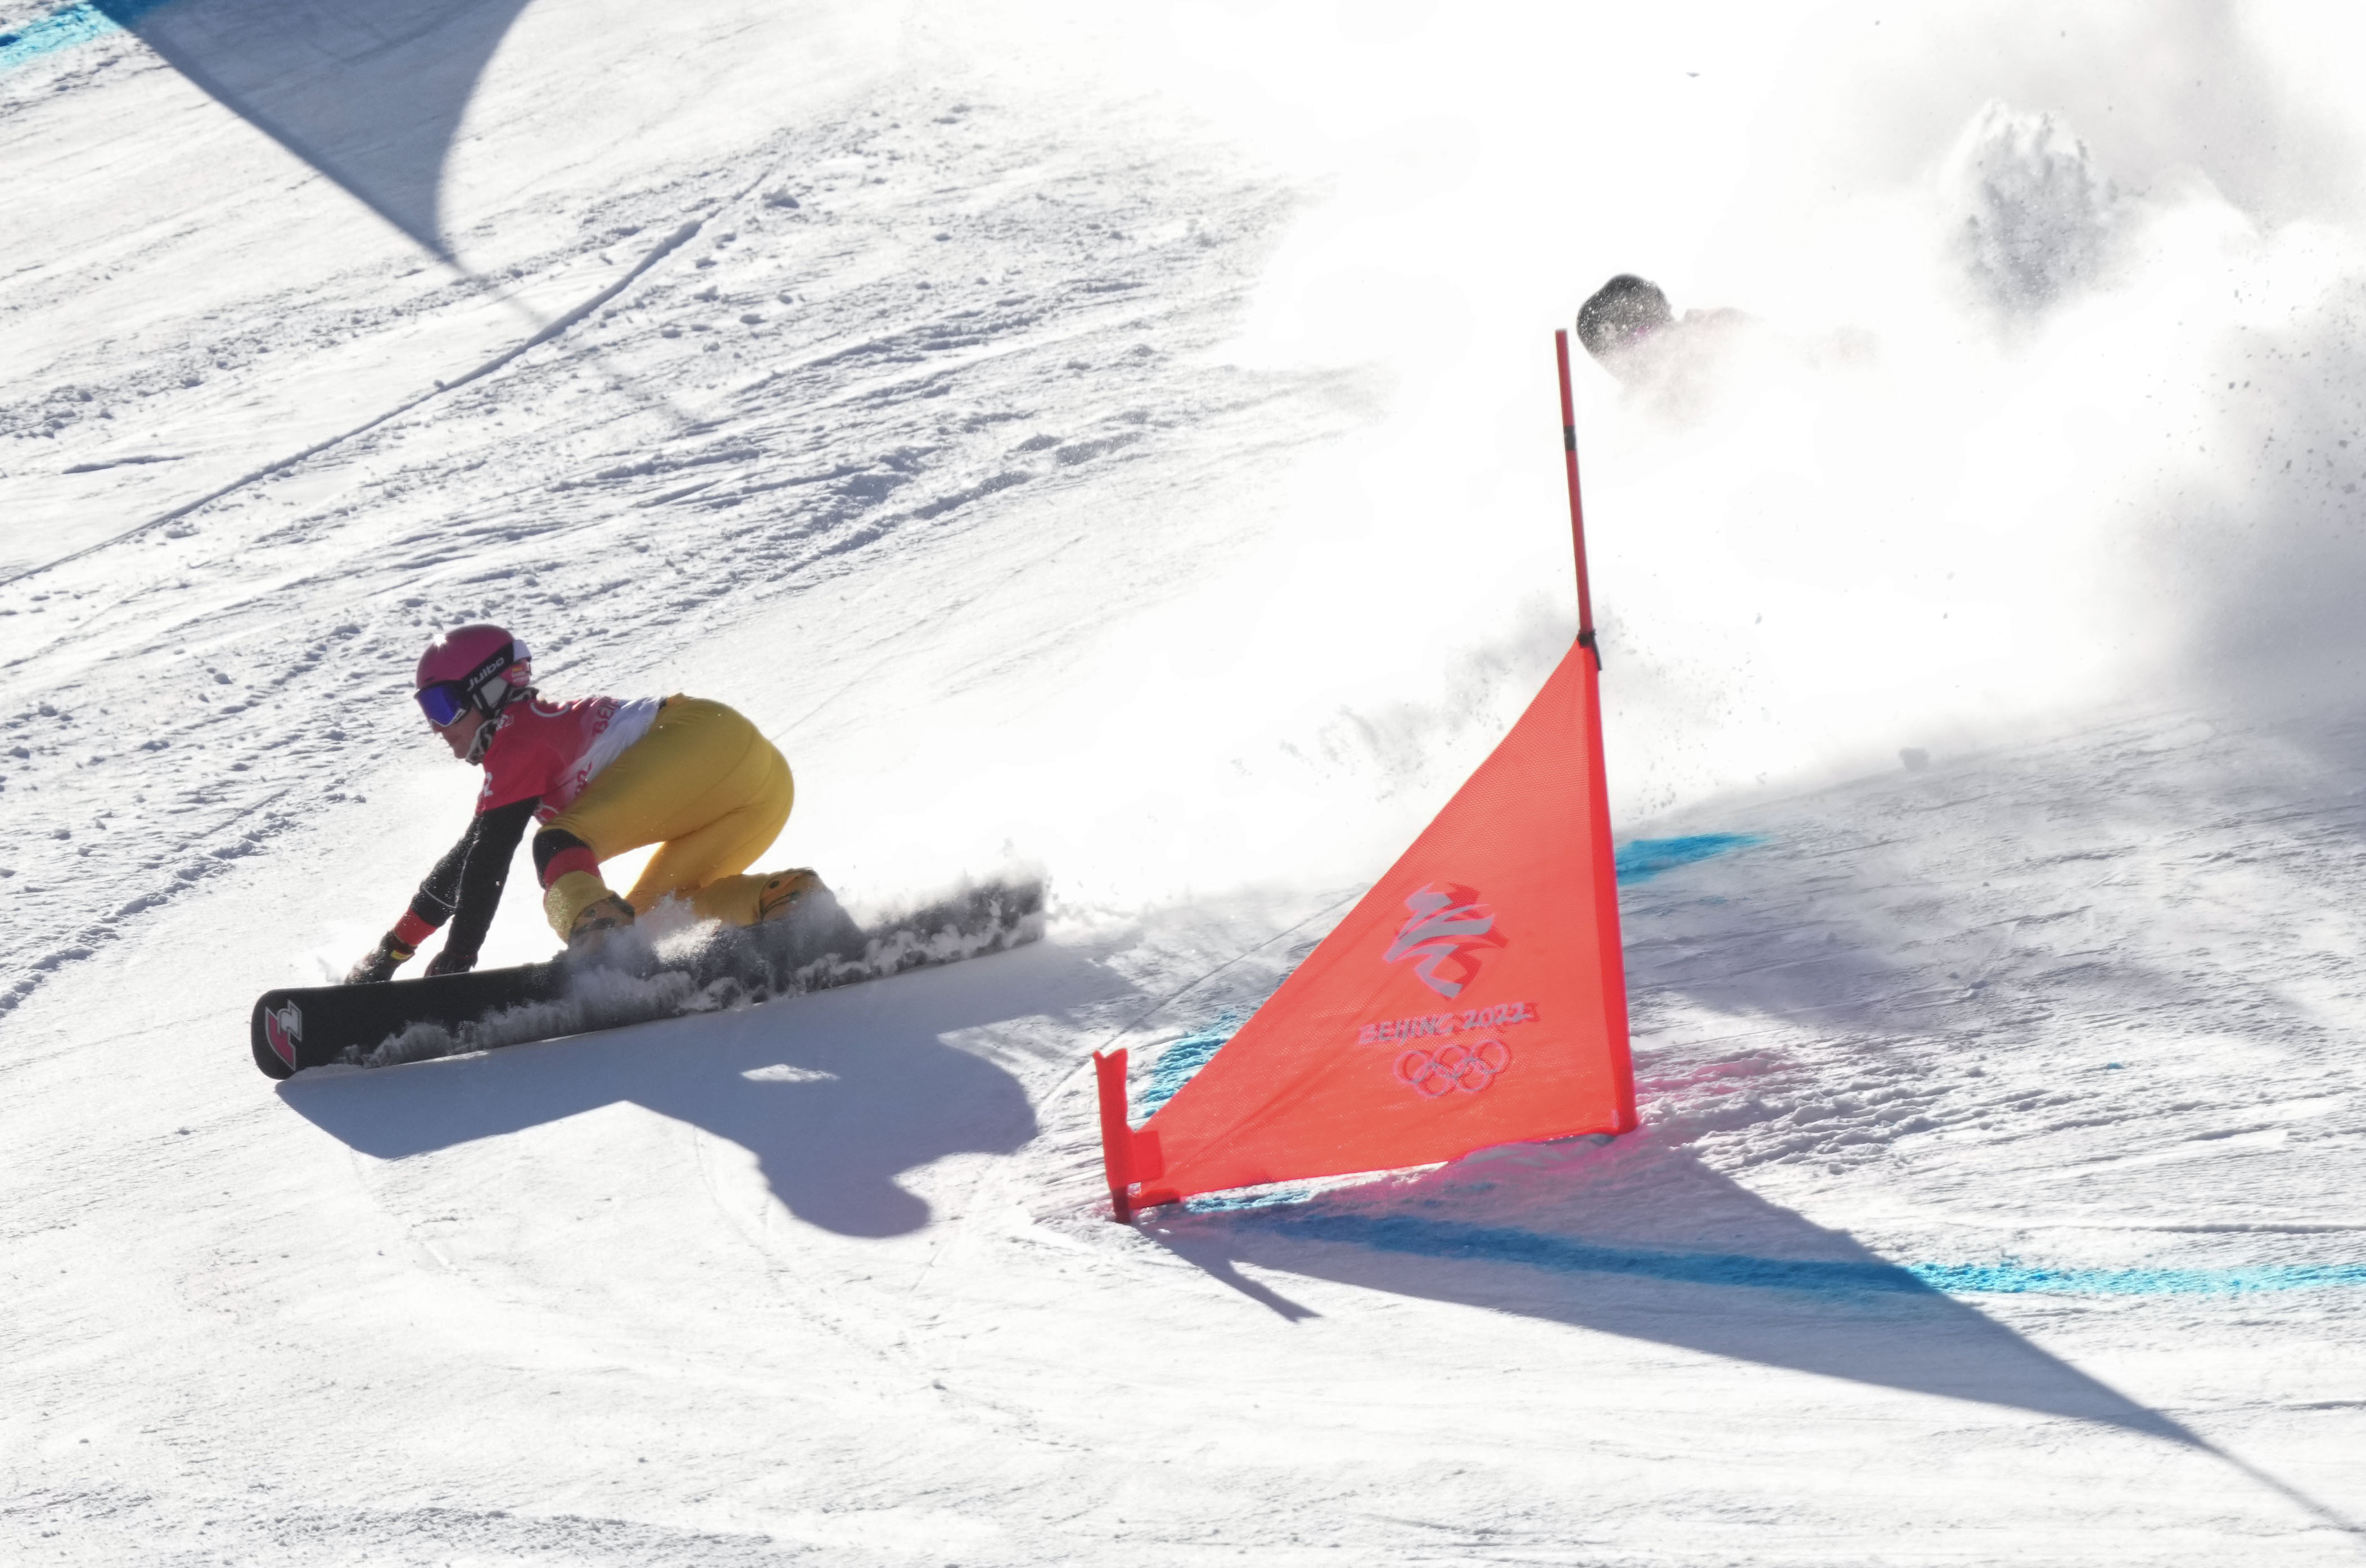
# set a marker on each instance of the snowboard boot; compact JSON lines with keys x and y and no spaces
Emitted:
{"x":595,"y":921}
{"x":785,"y":895}
{"x":581,"y":908}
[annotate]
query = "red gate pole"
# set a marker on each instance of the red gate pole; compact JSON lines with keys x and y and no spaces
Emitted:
{"x":1117,"y":1133}
{"x":1610,"y":954}
{"x":1585,"y":639}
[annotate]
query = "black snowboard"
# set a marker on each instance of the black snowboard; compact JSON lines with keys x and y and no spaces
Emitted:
{"x":629,"y":979}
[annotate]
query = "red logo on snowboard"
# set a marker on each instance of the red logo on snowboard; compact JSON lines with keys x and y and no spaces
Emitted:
{"x":283,"y":1026}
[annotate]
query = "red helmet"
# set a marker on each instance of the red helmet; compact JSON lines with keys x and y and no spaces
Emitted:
{"x":479,"y":666}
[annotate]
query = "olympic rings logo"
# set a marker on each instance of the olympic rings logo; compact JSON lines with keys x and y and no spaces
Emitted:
{"x":1467,"y":1067}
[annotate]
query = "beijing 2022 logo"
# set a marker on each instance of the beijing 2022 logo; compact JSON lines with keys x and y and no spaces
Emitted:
{"x":1445,"y":934}
{"x":1448,"y":925}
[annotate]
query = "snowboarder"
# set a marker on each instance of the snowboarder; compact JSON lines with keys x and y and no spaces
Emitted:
{"x":1619,"y":317}
{"x":1674,"y":366}
{"x":603,"y":775}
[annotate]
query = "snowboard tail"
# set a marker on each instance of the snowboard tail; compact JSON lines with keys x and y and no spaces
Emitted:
{"x":316,"y":1025}
{"x":630,"y":979}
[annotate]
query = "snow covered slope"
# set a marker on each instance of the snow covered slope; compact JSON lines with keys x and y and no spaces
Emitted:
{"x":1121,"y":444}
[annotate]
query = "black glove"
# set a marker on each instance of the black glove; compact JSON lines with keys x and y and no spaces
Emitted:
{"x":450,"y":963}
{"x":379,"y":966}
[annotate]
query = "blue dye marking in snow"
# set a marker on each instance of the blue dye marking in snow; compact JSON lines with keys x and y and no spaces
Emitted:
{"x":1184,"y":1057}
{"x":1272,"y":1197}
{"x":2015,"y":1278}
{"x":1640,"y":860}
{"x":1432,"y":1238}
{"x":70,"y":26}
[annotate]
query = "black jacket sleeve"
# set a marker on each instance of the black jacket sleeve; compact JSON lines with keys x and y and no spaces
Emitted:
{"x":466,"y":886}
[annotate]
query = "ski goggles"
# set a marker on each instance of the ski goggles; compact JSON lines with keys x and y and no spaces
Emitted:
{"x":445,"y":701}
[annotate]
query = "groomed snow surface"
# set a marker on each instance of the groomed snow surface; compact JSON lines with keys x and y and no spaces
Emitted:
{"x":1121,"y":447}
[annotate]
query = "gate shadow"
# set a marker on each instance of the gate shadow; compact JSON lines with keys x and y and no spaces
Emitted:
{"x":372,"y":95}
{"x":1648,"y":1244}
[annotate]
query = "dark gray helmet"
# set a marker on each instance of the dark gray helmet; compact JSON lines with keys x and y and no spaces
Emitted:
{"x":1622,"y":312}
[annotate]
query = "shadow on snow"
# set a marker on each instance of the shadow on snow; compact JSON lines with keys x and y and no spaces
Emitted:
{"x":848,"y":1089}
{"x":372,"y":95}
{"x":1701,"y":1264}
{"x":1555,"y":1234}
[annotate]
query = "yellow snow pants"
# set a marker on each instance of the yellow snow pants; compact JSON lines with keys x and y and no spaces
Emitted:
{"x":707,"y":788}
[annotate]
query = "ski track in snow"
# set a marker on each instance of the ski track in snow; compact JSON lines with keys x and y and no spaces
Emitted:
{"x":1995,"y":1199}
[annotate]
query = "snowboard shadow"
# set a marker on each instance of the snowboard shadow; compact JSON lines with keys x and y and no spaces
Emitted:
{"x":370,"y":96}
{"x":836,"y":1094}
{"x":1695,"y":1262}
